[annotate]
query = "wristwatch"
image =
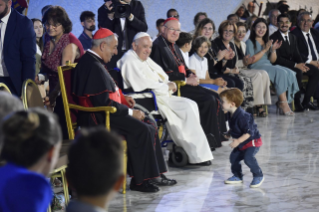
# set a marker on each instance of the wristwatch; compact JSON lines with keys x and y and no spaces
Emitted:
{"x":216,"y":59}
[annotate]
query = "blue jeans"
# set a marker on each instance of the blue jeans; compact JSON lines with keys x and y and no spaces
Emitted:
{"x":248,"y":155}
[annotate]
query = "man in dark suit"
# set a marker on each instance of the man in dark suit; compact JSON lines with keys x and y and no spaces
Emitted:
{"x":125,"y":28}
{"x":308,"y":43}
{"x":17,"y":49}
{"x":251,"y":9}
{"x":288,"y":55}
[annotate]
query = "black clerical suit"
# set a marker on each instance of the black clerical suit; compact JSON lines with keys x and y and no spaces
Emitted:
{"x":138,"y":24}
{"x":94,"y":87}
{"x":211,"y":114}
{"x":288,"y":56}
{"x":303,"y":48}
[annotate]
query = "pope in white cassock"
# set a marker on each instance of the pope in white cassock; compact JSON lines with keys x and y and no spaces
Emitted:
{"x":140,"y":72}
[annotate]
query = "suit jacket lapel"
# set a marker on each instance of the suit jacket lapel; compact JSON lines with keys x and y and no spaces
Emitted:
{"x":300,"y":35}
{"x":10,"y":29}
{"x":315,"y":38}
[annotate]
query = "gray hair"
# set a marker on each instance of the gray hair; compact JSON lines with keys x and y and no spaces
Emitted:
{"x":8,"y":104}
{"x":138,"y":40}
{"x":108,"y":40}
{"x":272,"y":11}
{"x":302,"y":14}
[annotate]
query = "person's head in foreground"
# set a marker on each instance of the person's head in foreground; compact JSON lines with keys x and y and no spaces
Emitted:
{"x":105,"y":44}
{"x":95,"y":167}
{"x":31,"y":146}
{"x":32,"y":139}
{"x":8,"y":104}
{"x":142,"y":45}
{"x":232,"y":98}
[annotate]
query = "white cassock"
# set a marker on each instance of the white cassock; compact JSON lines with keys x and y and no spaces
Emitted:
{"x":182,"y":114}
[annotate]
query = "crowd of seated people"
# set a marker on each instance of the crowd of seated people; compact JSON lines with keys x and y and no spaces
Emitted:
{"x":244,"y":51}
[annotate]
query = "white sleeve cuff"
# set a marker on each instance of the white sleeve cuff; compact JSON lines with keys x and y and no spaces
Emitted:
{"x":295,"y":65}
{"x":41,"y":77}
{"x":130,"y":112}
{"x":308,"y":61}
{"x":131,"y":19}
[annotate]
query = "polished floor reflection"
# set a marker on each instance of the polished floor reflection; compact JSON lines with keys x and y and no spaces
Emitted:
{"x":288,"y":159}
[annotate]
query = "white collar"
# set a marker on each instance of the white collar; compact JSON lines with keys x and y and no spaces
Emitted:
{"x":5,"y":19}
{"x":283,"y":35}
{"x":305,"y":33}
{"x":198,"y":57}
{"x":93,"y":52}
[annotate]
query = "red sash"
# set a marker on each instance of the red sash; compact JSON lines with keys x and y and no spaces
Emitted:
{"x":116,"y":96}
{"x":253,"y":143}
{"x":181,"y":69}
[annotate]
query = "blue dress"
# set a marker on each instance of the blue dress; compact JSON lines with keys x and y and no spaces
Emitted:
{"x":283,"y":78}
{"x":23,"y":190}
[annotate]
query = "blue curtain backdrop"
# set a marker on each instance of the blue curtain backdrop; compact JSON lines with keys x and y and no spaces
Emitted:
{"x":216,"y":10}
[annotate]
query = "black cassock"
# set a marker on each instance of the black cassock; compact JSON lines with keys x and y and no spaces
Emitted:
{"x":211,"y":115}
{"x":93,"y":86}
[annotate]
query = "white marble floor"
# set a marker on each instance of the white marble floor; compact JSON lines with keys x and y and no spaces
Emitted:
{"x":288,"y":159}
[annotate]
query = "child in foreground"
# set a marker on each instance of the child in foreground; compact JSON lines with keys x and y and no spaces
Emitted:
{"x":246,"y":138}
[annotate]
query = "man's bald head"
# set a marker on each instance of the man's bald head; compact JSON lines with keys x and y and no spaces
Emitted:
{"x":172,"y":30}
{"x":251,"y":7}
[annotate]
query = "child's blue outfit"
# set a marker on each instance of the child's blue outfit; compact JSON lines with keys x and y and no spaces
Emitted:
{"x":241,"y":123}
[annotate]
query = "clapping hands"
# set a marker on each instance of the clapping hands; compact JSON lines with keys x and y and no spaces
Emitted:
{"x":276,"y":45}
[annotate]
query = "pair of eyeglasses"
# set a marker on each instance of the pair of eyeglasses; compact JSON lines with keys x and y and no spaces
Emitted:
{"x":308,"y":21}
{"x":174,"y":30}
{"x":228,"y":31}
{"x":282,"y":22}
{"x":175,"y":16}
{"x":241,"y":32}
{"x":47,"y":25}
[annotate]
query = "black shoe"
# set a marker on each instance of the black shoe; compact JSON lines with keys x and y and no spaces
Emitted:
{"x":163,"y":181}
{"x":206,"y":163}
{"x":212,"y":149}
{"x":146,"y":186}
{"x":299,"y":108}
{"x":310,"y":106}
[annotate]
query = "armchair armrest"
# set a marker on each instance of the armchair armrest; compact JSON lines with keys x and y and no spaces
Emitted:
{"x":179,"y":83}
{"x":106,"y":109}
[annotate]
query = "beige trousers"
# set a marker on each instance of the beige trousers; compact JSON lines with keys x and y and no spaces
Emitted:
{"x":261,"y":83}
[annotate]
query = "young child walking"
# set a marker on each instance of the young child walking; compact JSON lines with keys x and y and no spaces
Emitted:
{"x":245,"y":136}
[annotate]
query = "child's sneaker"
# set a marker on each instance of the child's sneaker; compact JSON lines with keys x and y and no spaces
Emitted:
{"x":257,"y":181}
{"x":233,"y":180}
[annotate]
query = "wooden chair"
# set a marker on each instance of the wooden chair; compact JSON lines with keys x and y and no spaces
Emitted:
{"x":64,"y":73}
{"x":31,"y":96}
{"x":5,"y":88}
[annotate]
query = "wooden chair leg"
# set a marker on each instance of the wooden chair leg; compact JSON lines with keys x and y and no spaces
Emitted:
{"x":311,"y":99}
{"x":293,"y":105}
{"x":124,"y":166}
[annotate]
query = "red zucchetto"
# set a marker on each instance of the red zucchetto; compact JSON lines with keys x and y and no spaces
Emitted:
{"x":102,"y":33}
{"x":170,"y":19}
